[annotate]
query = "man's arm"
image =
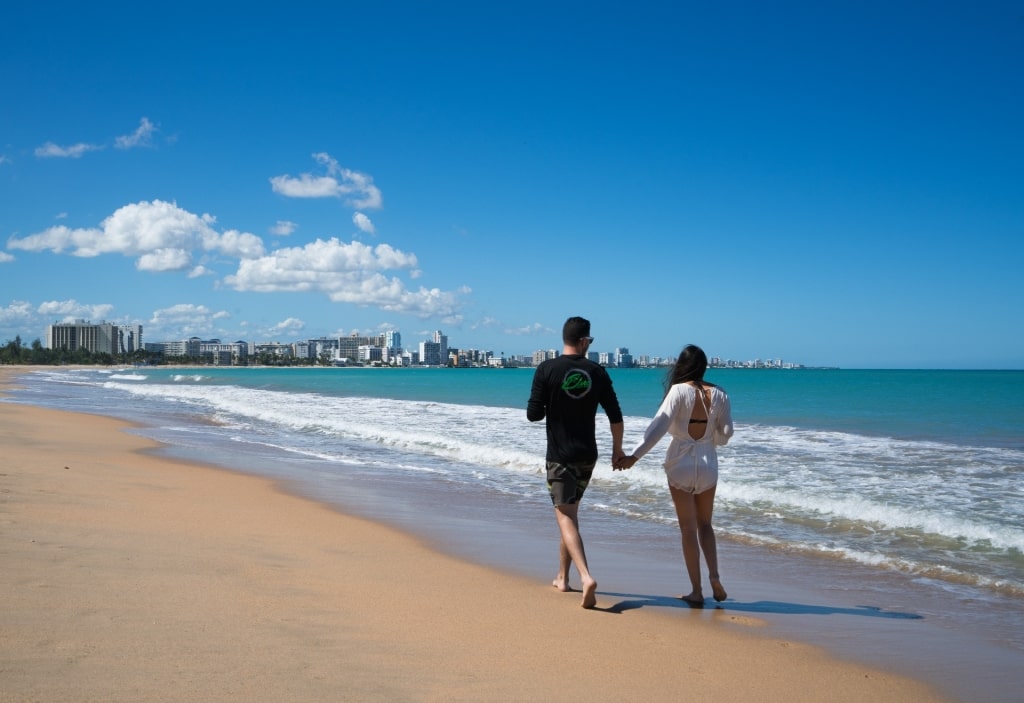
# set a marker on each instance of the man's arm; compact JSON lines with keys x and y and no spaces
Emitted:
{"x":536,"y":405}
{"x":617,"y":453}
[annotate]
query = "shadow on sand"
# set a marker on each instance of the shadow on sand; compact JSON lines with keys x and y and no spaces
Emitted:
{"x":632,"y":601}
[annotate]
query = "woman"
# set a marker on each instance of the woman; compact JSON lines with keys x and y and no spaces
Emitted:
{"x":699,"y":417}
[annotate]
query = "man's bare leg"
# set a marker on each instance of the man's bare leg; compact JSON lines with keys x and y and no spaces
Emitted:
{"x":572,"y":543}
{"x":561,"y":581}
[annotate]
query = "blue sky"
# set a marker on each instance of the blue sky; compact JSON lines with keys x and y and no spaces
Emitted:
{"x":826,"y":183}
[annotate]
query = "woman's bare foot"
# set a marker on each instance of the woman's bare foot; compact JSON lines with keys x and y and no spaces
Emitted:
{"x":694,"y":600}
{"x":717,"y":591}
{"x":589,"y":594}
{"x":562,"y":585}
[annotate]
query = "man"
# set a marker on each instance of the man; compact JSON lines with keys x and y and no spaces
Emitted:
{"x":567,"y":390}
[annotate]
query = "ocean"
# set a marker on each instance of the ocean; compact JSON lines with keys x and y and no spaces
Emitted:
{"x":885,"y":500}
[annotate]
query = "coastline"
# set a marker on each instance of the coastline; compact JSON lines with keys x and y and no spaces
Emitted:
{"x":136,"y":577}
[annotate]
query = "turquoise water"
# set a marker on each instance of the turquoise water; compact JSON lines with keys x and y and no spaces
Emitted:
{"x":961,"y":407}
{"x":983,"y":408}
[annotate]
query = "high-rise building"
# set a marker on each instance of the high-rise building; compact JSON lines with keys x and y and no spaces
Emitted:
{"x":434,"y":352}
{"x":130,"y":338}
{"x":178,"y":348}
{"x":218,"y":353}
{"x":544,"y":354}
{"x":102,"y":338}
{"x":442,"y":341}
{"x":430,"y":354}
{"x":623,"y":359}
{"x":348,"y":347}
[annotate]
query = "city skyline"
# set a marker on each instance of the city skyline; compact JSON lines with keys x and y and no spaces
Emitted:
{"x":125,"y":340}
{"x":835,"y":184}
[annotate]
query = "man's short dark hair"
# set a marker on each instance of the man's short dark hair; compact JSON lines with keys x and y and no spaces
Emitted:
{"x":575,"y":329}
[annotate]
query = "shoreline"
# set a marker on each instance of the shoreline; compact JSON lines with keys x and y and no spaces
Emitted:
{"x":137,"y":577}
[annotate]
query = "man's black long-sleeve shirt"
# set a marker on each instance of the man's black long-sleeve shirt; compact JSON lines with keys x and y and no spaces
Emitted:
{"x":567,"y":390}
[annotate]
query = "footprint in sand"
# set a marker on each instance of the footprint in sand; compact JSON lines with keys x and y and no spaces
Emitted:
{"x":747,"y":621}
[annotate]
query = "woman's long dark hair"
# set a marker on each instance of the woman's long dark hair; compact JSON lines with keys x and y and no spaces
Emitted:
{"x":690,"y":366}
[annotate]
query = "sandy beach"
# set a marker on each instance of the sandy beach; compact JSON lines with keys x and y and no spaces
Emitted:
{"x":131,"y":577}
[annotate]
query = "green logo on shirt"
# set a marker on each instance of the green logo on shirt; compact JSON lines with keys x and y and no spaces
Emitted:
{"x":576,"y":383}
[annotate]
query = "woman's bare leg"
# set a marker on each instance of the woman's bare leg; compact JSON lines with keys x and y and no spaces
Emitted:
{"x":705,"y":505}
{"x":686,"y":513}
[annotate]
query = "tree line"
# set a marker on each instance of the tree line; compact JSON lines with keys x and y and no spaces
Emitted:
{"x":35,"y":354}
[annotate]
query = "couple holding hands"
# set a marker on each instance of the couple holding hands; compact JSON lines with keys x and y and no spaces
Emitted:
{"x":567,"y":391}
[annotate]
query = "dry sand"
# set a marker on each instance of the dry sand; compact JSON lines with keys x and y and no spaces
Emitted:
{"x":129,"y":577}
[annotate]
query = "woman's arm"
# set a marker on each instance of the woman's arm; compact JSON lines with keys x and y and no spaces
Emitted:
{"x":723,"y":420}
{"x":662,"y":420}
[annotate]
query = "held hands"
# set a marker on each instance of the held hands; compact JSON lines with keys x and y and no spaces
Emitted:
{"x":617,"y":456}
{"x":624,"y":462}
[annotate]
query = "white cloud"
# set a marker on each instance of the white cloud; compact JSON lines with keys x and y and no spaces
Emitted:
{"x":346,"y":273}
{"x":70,"y":310}
{"x":535,"y":328}
{"x":5,"y":257}
{"x":161,"y":235}
{"x":17,"y":311}
{"x":200,"y":271}
{"x":140,"y":137}
{"x":363,"y":223}
{"x":357,"y":189}
{"x":166,"y":259}
{"x":283,"y":228}
{"x":290,"y":326}
{"x":51,"y":150}
{"x":485,"y":322}
{"x":240,"y":245}
{"x":182,"y":321}
{"x":4,"y":159}
{"x":305,"y":186}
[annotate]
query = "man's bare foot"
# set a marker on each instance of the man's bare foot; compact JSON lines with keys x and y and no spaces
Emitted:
{"x":694,"y":600}
{"x":589,"y":594}
{"x":562,"y":585}
{"x":717,"y":590}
